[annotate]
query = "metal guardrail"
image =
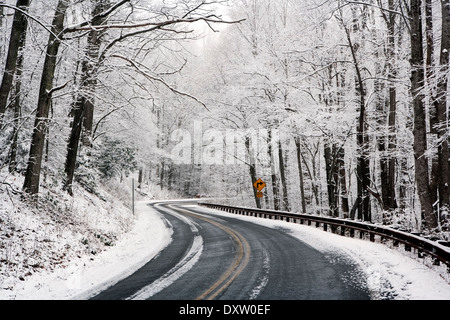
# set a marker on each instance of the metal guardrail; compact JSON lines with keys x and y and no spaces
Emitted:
{"x":346,"y":227}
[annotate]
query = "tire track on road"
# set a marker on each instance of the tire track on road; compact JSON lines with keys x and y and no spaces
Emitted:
{"x":238,"y":265}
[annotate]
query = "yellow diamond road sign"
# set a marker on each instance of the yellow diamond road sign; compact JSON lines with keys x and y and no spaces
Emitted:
{"x":259,"y":184}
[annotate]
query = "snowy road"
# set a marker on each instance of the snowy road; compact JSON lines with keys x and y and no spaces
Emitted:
{"x":212,"y":256}
{"x":272,"y":263}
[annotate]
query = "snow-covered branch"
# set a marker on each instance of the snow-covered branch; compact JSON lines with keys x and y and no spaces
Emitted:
{"x":137,"y":66}
{"x":209,"y":19}
{"x":25,"y":13}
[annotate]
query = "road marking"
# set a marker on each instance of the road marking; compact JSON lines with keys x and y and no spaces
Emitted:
{"x":176,"y":272}
{"x":238,"y":265}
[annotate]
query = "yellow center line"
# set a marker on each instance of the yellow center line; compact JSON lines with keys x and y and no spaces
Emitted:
{"x":240,"y":262}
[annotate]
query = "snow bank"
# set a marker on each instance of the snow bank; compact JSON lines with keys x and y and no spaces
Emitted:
{"x":63,"y":247}
{"x":89,"y":274}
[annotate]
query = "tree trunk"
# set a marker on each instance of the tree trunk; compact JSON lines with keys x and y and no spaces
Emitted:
{"x":330,"y":165}
{"x":85,"y":99}
{"x":300,"y":173}
{"x":432,"y":105}
{"x":252,"y":169}
{"x":88,"y":121}
{"x":391,"y":197}
{"x":286,"y":206}
{"x":420,"y":138}
{"x":18,"y":29}
{"x":392,"y":114}
{"x":381,"y":139}
{"x":386,"y":115}
{"x":140,"y":176}
{"x":363,"y":162}
{"x":94,"y":43}
{"x":273,"y":176}
{"x":313,"y":173}
{"x":33,"y":172}
{"x":441,"y":108}
{"x":343,"y":182}
{"x":17,"y":108}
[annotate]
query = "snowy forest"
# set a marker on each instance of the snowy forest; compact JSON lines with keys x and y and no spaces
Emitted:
{"x":340,"y":107}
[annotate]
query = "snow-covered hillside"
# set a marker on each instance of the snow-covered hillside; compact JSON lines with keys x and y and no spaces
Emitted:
{"x":60,"y":236}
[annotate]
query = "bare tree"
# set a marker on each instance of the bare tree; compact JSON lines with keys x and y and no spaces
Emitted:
{"x":46,"y":89}
{"x":387,"y":141}
{"x":298,"y":143}
{"x":16,"y":43}
{"x":441,"y":109}
{"x":420,"y":134}
{"x":17,"y":102}
{"x":84,"y":104}
{"x":363,"y":161}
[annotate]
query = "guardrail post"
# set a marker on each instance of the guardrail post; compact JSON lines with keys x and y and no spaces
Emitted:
{"x":420,"y":253}
{"x":372,"y":237}
{"x":342,"y":231}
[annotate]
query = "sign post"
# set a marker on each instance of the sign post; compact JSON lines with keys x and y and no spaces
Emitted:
{"x":132,"y":195}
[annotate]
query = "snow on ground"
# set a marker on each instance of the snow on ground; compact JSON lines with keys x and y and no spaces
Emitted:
{"x":89,"y":275}
{"x":64,"y":247}
{"x":391,"y":274}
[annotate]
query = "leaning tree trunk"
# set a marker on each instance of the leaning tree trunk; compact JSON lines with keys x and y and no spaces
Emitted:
{"x":363,"y":162}
{"x":18,"y":29}
{"x":84,"y":102}
{"x":33,"y":172}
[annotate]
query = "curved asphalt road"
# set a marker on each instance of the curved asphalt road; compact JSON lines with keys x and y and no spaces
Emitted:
{"x":223,"y":257}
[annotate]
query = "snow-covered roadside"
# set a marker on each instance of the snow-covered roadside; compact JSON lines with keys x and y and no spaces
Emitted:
{"x":390,"y":274}
{"x":87,"y":276}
